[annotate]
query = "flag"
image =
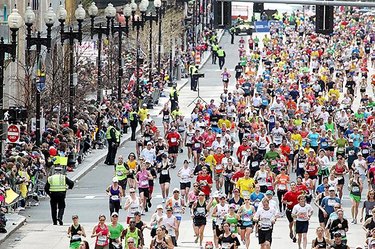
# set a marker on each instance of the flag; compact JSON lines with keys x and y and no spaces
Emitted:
{"x":40,"y":75}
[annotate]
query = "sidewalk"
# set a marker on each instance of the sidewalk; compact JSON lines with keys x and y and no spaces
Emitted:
{"x":15,"y":221}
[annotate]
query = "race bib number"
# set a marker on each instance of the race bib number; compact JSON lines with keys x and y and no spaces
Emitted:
{"x":173,"y":139}
{"x":355,"y":189}
{"x":365,"y":151}
{"x":164,"y":172}
{"x":119,"y":173}
{"x":254,"y":164}
{"x":102,"y":240}
{"x":144,"y":182}
{"x":301,"y":165}
{"x":76,"y":237}
{"x":115,"y":197}
{"x":197,"y":145}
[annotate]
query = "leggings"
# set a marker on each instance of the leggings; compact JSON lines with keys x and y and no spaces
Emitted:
{"x":280,"y":194}
{"x":114,"y":206}
{"x":228,"y":186}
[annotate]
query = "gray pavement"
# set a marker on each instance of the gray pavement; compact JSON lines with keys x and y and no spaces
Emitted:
{"x":88,"y":198}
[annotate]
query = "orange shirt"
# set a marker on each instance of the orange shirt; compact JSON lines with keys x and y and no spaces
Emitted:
{"x":282,"y":182}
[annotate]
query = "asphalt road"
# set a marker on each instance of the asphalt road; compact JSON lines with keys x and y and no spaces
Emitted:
{"x":88,"y":198}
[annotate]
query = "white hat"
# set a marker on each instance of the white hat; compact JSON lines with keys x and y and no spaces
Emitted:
{"x":331,"y":188}
{"x":115,"y":179}
{"x":159,"y":206}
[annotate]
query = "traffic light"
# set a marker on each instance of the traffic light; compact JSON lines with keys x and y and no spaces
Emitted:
{"x":324,"y":19}
{"x":258,"y":7}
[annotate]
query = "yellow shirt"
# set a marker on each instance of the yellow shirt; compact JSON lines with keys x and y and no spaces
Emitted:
{"x":246,"y":186}
{"x":210,"y":159}
{"x":142,"y":113}
{"x":321,"y":100}
{"x":297,"y":140}
{"x":226,"y":122}
{"x":334,"y":92}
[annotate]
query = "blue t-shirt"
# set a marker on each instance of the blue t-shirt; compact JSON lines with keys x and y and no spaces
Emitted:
{"x":328,"y":204}
{"x":256,"y":199}
{"x":313,"y":139}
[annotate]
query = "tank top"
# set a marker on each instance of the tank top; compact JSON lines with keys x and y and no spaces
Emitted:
{"x":75,"y":237}
{"x":226,"y":241}
{"x":134,"y":207}
{"x":132,"y":164}
{"x":301,"y":161}
{"x":164,"y":172}
{"x":262,"y":143}
{"x":102,"y":240}
{"x":185,"y":174}
{"x":189,"y":136}
{"x":180,"y":125}
{"x":246,"y":216}
{"x":322,"y":244}
{"x":176,"y":207}
{"x":339,"y":171}
{"x":133,"y":235}
{"x":232,"y":220}
{"x":143,"y":179}
{"x":159,"y":244}
{"x":262,"y":178}
{"x":166,"y":116}
{"x":169,"y":220}
{"x":115,"y":194}
{"x":160,"y":148}
{"x":221,"y":212}
{"x":200,"y":210}
{"x":355,"y":190}
{"x":282,"y":183}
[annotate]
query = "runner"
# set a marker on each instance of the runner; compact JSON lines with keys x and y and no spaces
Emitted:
{"x":75,"y":233}
{"x":101,"y":233}
{"x":246,"y":212}
{"x":178,"y":206}
{"x":266,"y":218}
{"x":302,"y":213}
{"x":115,"y":192}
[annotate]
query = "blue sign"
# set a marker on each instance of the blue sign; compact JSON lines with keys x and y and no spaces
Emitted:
{"x":261,"y":26}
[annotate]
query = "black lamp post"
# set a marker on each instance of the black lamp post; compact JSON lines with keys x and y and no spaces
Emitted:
{"x":14,"y":22}
{"x":71,"y":35}
{"x":38,"y":41}
{"x":160,"y":12}
{"x":152,"y":18}
{"x":138,"y":23}
{"x":120,"y":30}
{"x":110,"y":13}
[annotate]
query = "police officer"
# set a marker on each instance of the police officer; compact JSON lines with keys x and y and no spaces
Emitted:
{"x":214,"y":49}
{"x":110,"y":135}
{"x":173,"y":96}
{"x":133,"y":118}
{"x":232,"y":30}
{"x":221,"y":56}
{"x":56,"y":189}
{"x":193,"y":70}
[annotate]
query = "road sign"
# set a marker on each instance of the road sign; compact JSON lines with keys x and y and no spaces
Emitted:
{"x":13,"y":134}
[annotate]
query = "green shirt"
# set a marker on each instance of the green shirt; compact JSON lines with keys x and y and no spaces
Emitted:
{"x":121,"y":172}
{"x":115,"y":231}
{"x":271,"y":155}
{"x":341,"y":142}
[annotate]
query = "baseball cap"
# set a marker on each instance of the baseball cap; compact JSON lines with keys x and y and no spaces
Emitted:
{"x":115,"y":179}
{"x":359,"y":154}
{"x":176,"y":190}
{"x":159,"y":206}
{"x":332,"y":188}
{"x":114,"y":214}
{"x":269,"y":192}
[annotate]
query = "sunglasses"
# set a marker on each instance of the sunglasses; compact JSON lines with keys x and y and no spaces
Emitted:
{"x":132,"y":192}
{"x":201,"y":195}
{"x":101,"y":219}
{"x":130,"y":242}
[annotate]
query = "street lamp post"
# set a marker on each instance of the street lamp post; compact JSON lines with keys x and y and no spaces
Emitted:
{"x":38,"y":41}
{"x":138,"y":23}
{"x":151,"y":18}
{"x":14,"y":22}
{"x":160,"y":12}
{"x":120,"y":30}
{"x":71,"y":35}
{"x":110,"y":13}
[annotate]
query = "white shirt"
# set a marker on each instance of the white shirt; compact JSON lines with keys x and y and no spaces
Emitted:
{"x":303,"y":212}
{"x":148,"y":155}
{"x":360,"y":165}
{"x":277,"y":135}
{"x":265,"y":217}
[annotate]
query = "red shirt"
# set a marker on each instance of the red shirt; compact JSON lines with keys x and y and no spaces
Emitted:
{"x":291,"y":196}
{"x":241,"y":149}
{"x":285,"y":150}
{"x":219,"y":158}
{"x":238,"y":175}
{"x":205,"y":188}
{"x":302,"y":188}
{"x":173,"y":139}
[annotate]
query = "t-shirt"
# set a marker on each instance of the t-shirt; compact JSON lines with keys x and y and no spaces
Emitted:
{"x":246,"y":186}
{"x":173,"y":139}
{"x":205,"y":188}
{"x":328,"y":204}
{"x":291,"y":196}
{"x":115,"y":231}
{"x":302,"y":212}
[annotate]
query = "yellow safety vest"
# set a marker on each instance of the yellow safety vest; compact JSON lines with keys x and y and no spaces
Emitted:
{"x":61,"y":160}
{"x":215,"y":48}
{"x":118,"y":136}
{"x":194,"y":71}
{"x":220,"y":53}
{"x":131,"y":115}
{"x":108,"y":132}
{"x":57,"y":183}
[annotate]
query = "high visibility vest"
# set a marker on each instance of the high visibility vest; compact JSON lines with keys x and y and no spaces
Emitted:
{"x":131,"y":116}
{"x":108,"y":132}
{"x":191,"y":69}
{"x":215,"y":48}
{"x":220,"y":53}
{"x":57,"y":183}
{"x":173,"y":91}
{"x":118,"y":136}
{"x":194,"y":71}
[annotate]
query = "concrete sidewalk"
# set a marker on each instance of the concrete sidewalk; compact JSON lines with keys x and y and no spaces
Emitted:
{"x":15,"y":220}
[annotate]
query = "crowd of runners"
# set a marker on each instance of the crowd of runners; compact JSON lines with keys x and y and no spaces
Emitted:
{"x":292,"y":132}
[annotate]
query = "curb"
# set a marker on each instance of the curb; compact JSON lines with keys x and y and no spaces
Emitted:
{"x":14,"y":229}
